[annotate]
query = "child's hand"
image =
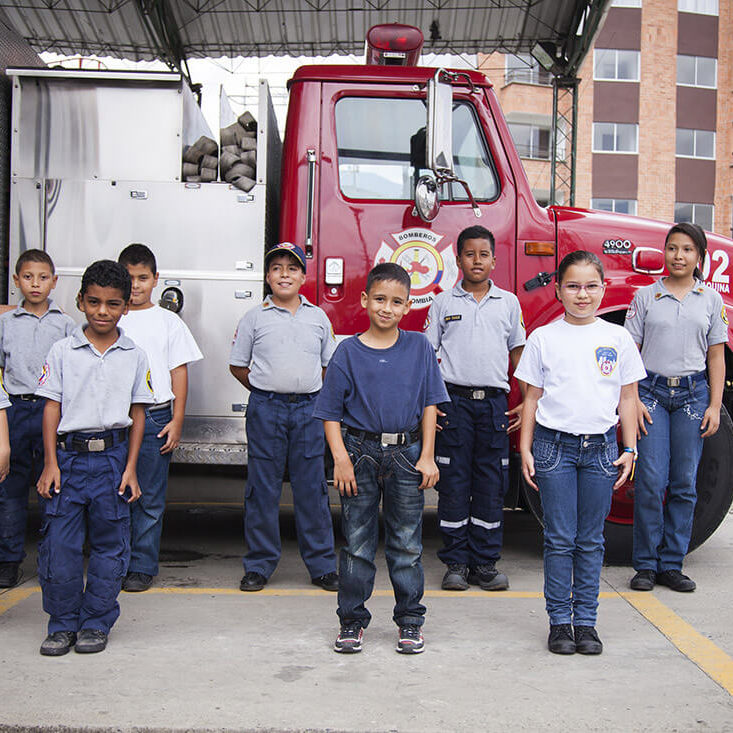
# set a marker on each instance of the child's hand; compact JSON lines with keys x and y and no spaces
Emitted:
{"x":438,"y":426}
{"x":625,"y":464}
{"x":528,"y":469}
{"x":4,"y":463}
{"x":515,"y":418}
{"x":172,"y":434}
{"x":429,"y":470}
{"x":343,"y":476}
{"x":642,"y":414}
{"x":710,"y":421}
{"x":49,"y":479}
{"x":129,"y":478}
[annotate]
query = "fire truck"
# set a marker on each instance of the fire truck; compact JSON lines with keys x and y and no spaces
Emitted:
{"x":385,"y":162}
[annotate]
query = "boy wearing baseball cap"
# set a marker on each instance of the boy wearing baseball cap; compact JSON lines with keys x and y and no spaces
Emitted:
{"x":279,"y":353}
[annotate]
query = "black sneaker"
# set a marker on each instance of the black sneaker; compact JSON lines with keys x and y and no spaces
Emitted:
{"x":643,"y":580}
{"x":587,"y":641}
{"x":91,"y":641}
{"x":410,"y":639}
{"x":676,"y":580}
{"x":253,"y":581}
{"x":456,"y":577}
{"x":488,"y":578}
{"x":137,"y":582}
{"x":561,"y":640}
{"x":329,"y":581}
{"x":9,"y":574}
{"x":58,"y":643}
{"x":349,"y":639}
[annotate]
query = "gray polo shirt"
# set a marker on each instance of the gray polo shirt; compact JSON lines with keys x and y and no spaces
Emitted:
{"x":285,"y":352}
{"x":675,"y":335}
{"x":95,"y":390}
{"x":473,"y":338}
{"x":25,"y":340}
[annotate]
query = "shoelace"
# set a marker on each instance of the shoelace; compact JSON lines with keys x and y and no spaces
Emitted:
{"x":410,"y":632}
{"x":486,"y":569}
{"x":350,"y":631}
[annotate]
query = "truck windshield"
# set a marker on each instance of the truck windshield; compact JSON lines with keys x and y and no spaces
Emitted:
{"x":381,"y":150}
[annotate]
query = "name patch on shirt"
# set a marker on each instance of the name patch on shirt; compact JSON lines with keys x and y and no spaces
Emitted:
{"x":606,"y":358}
{"x":456,"y":317}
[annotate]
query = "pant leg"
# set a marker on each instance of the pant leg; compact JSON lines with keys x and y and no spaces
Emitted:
{"x":403,"y":506}
{"x":360,"y":527}
{"x":313,"y":522}
{"x":266,"y":454}
{"x":146,"y":514}
{"x":489,"y":481}
{"x":454,"y":447}
{"x":596,"y":476}
{"x":109,"y":539}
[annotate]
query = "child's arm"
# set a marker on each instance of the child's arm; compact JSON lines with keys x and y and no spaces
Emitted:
{"x":135,"y":439}
{"x":529,"y":412}
{"x":241,"y":374}
{"x":627,"y":412}
{"x":716,"y":375}
{"x":426,"y":463}
{"x":515,"y":414}
{"x":343,"y":471}
{"x":172,"y":431}
{"x":51,"y":476}
{"x":4,"y":446}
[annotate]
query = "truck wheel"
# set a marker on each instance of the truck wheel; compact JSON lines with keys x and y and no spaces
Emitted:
{"x":714,"y":498}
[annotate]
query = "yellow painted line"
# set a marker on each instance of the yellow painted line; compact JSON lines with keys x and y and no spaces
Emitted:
{"x":712,"y":660}
{"x":16,"y":595}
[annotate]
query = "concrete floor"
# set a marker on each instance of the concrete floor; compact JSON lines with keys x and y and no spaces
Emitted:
{"x":196,"y":653}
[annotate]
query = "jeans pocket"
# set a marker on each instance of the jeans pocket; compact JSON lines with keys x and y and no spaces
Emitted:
{"x":607,"y":454}
{"x":546,"y":455}
{"x":407,"y":458}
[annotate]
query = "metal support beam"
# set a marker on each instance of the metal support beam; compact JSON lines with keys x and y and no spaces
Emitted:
{"x":564,"y":129}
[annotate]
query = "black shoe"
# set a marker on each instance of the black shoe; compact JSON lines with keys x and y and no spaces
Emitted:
{"x":643,"y":580}
{"x":58,"y":643}
{"x":587,"y":641}
{"x":329,"y":581}
{"x":349,"y":639}
{"x":137,"y":582}
{"x":676,"y":580}
{"x":410,"y":640}
{"x":456,"y":577}
{"x":488,"y":578}
{"x":91,"y":641}
{"x":253,"y":581}
{"x":561,"y":639}
{"x":9,"y":574}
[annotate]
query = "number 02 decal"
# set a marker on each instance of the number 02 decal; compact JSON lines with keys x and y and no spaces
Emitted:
{"x":720,"y":279}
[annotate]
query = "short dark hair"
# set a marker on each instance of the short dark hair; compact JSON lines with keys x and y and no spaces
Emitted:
{"x":388,"y":271}
{"x":697,"y":235}
{"x":34,"y":255}
{"x":579,"y":257}
{"x":107,"y":274}
{"x":475,"y":232}
{"x":138,"y":254}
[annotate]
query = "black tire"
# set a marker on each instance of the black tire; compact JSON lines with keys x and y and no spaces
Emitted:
{"x":714,"y":497}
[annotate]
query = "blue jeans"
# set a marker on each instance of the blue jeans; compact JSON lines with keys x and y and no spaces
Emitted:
{"x":146,"y":514}
{"x":386,"y":472}
{"x":575,"y":474}
{"x":25,"y":420}
{"x":668,"y":458}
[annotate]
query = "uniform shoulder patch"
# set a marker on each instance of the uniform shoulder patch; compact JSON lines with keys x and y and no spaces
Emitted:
{"x":724,"y":315}
{"x":45,"y":372}
{"x":631,"y":311}
{"x":455,"y":317}
{"x":149,"y":381}
{"x":606,"y":358}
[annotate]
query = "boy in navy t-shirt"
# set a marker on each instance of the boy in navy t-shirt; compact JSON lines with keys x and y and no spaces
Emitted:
{"x":379,"y":407}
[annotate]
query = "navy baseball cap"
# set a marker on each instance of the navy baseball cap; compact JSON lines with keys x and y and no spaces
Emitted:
{"x":285,"y":248}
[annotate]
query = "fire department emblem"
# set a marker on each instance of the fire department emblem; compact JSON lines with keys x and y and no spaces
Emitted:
{"x":430,"y":268}
{"x":45,"y":371}
{"x":606,"y":358}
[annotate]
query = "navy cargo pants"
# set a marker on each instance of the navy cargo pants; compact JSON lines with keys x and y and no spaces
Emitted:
{"x":87,"y":506}
{"x":472,"y":453}
{"x":281,"y":429}
{"x":25,"y":419}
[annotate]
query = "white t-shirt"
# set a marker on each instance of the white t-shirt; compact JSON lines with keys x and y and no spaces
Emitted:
{"x":581,"y":370}
{"x":166,"y":340}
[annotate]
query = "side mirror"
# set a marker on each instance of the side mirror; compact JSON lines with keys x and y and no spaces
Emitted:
{"x":439,"y":139}
{"x":426,"y":198}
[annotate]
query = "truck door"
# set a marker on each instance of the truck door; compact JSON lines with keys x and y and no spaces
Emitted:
{"x":372,"y":153}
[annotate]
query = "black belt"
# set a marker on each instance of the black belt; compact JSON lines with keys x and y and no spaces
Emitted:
{"x":90,"y":442}
{"x":474,"y":393}
{"x":284,"y":396}
{"x":26,"y":397}
{"x":161,"y":406}
{"x":386,"y":438}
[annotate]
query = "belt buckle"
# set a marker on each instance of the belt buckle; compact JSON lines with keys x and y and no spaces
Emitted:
{"x":292,"y":398}
{"x":673,"y":381}
{"x":478,"y":394}
{"x":390,"y":438}
{"x":95,"y":445}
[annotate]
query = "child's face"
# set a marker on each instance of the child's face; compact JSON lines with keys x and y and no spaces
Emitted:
{"x":580,"y":292}
{"x":143,"y":283}
{"x":386,"y":303}
{"x":35,"y":281}
{"x":476,"y":260}
{"x":285,"y":277}
{"x":103,"y":308}
{"x":681,"y":255}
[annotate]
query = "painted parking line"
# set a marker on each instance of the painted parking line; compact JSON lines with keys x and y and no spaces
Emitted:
{"x":12,"y":597}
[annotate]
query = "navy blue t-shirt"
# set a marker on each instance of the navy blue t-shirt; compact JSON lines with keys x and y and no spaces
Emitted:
{"x":381,"y":390}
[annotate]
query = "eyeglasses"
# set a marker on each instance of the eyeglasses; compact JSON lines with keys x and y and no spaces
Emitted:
{"x":590,"y":288}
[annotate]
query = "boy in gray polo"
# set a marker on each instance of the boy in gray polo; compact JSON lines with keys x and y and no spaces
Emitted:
{"x":96,"y":383}
{"x":26,"y":335}
{"x":279,"y":353}
{"x":476,"y":328}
